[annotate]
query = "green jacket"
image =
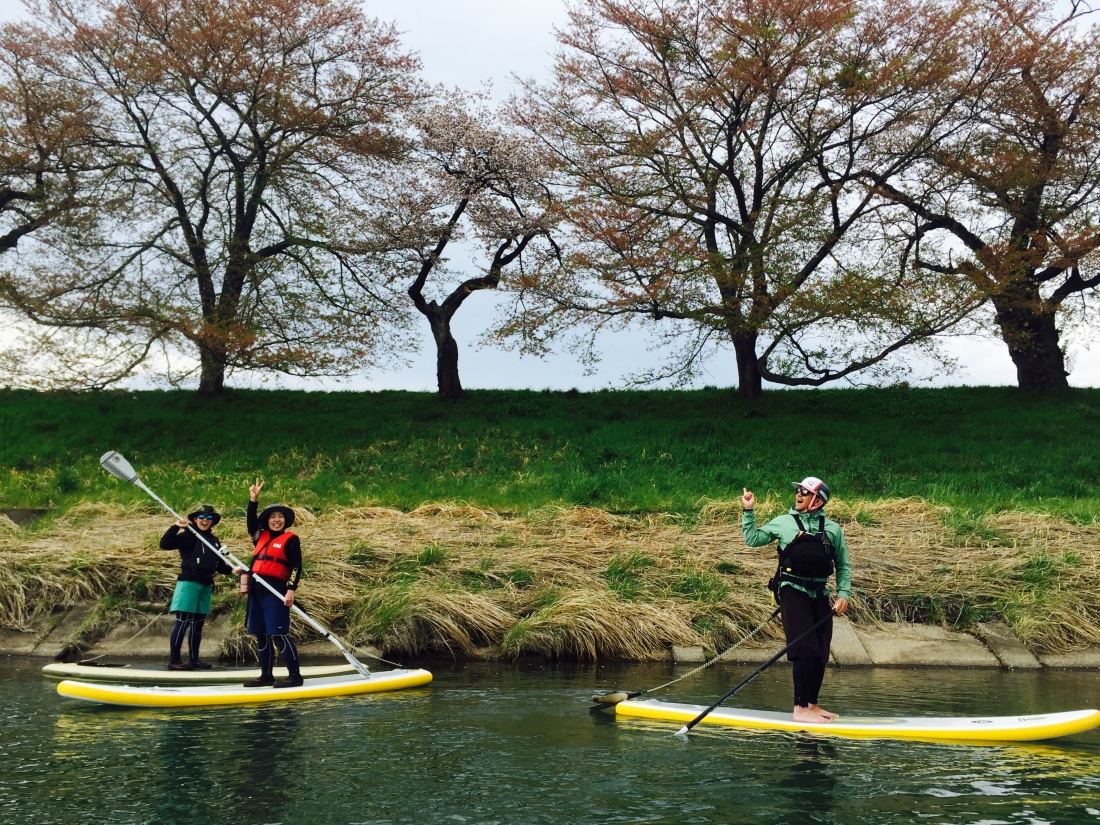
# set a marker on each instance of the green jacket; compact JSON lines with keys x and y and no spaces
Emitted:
{"x":784,"y":528}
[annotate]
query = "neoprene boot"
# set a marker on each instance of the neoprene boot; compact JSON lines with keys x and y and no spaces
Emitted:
{"x":266,"y":654}
{"x":285,"y":646}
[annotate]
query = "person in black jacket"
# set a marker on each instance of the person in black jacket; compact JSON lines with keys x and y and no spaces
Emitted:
{"x":194,"y":584}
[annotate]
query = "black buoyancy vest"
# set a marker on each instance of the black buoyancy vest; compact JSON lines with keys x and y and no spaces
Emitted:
{"x":808,"y":555}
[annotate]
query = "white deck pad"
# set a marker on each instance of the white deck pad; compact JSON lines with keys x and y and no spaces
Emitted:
{"x":149,"y":674}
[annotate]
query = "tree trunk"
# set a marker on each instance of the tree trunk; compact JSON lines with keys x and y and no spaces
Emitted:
{"x":211,"y":373}
{"x":446,"y":358}
{"x":1031,"y":334}
{"x":749,"y":383}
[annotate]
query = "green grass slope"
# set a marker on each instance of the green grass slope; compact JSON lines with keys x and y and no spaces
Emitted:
{"x":980,"y":449}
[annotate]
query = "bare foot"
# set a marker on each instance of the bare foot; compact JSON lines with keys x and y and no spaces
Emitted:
{"x":826,"y":713}
{"x":802,"y":714}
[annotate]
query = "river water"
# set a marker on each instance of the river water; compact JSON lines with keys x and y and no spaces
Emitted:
{"x":516,"y":743}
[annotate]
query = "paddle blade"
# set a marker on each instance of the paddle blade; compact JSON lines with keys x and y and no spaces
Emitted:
{"x":118,"y":466}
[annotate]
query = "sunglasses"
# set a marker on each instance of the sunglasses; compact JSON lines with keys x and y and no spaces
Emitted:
{"x":204,"y":518}
{"x":801,"y":492}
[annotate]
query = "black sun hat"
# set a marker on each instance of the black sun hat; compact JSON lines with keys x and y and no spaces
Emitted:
{"x":288,"y":514}
{"x":207,"y":511}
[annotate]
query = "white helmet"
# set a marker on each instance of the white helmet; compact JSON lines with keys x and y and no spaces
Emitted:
{"x":814,"y":485}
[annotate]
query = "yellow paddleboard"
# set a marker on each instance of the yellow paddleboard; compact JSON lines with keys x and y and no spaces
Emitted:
{"x":161,"y":696}
{"x":973,"y":730}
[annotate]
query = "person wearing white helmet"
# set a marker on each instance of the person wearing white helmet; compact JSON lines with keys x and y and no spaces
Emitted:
{"x":811,"y":549}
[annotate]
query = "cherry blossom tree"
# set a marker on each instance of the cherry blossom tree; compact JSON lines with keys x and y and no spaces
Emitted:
{"x":1010,"y":204}
{"x":44,"y":159}
{"x":477,"y":186}
{"x":715,"y":155}
{"x":247,"y":139}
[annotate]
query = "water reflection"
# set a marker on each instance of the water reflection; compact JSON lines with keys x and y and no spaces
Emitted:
{"x":261,"y":749}
{"x":809,"y":780}
{"x":184,"y":766}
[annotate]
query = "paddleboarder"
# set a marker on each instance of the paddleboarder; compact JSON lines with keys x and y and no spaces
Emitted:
{"x":194,"y":584}
{"x":811,"y":549}
{"x":278,"y":560}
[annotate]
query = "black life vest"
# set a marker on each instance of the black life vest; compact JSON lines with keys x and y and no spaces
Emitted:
{"x":809,"y":558}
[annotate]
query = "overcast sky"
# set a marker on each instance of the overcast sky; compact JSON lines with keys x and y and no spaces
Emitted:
{"x":469,"y":42}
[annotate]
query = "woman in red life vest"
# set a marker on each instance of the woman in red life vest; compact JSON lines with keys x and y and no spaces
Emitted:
{"x":277,"y":559}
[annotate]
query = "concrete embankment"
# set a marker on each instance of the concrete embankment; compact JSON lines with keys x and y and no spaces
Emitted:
{"x":886,"y":644}
{"x":892,"y":644}
{"x":140,"y":636}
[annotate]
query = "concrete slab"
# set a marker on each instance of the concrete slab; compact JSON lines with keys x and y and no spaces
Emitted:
{"x":57,"y":639}
{"x":1087,"y":658}
{"x":147,"y":635}
{"x":688,"y":655}
{"x":138,"y":636}
{"x":317,"y":649}
{"x":14,"y":641}
{"x":1009,"y":650}
{"x":847,"y":650}
{"x":895,"y":643}
{"x":890,"y":644}
{"x":326,"y":652}
{"x":214,"y":633}
{"x":751,"y":654}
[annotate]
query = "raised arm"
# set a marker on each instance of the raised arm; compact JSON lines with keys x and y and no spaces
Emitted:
{"x":754,"y":536}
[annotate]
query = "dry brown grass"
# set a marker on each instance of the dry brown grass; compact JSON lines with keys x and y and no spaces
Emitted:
{"x":580,"y":582}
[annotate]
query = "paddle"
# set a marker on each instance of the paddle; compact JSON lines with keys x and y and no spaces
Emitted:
{"x":119,"y":467}
{"x":753,"y":675}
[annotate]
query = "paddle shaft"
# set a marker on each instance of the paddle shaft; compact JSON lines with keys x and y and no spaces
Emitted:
{"x":233,"y":560}
{"x":754,"y":674}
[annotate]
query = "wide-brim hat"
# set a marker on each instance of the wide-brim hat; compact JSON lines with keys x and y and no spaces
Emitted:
{"x":288,"y":514}
{"x":206,"y":510}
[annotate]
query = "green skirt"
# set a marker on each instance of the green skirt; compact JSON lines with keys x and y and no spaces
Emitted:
{"x":191,"y":597}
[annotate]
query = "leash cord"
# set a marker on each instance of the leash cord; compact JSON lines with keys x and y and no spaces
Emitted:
{"x":720,"y":656}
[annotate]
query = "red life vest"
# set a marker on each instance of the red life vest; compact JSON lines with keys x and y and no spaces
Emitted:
{"x":269,"y":557}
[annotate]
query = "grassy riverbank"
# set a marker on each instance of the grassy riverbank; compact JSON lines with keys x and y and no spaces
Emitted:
{"x":587,"y":525}
{"x":577,"y":582}
{"x":979,"y":450}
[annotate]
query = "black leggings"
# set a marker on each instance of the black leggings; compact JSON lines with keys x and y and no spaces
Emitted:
{"x":285,"y":646}
{"x":188,"y":626}
{"x":809,"y":657}
{"x":808,"y":673}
